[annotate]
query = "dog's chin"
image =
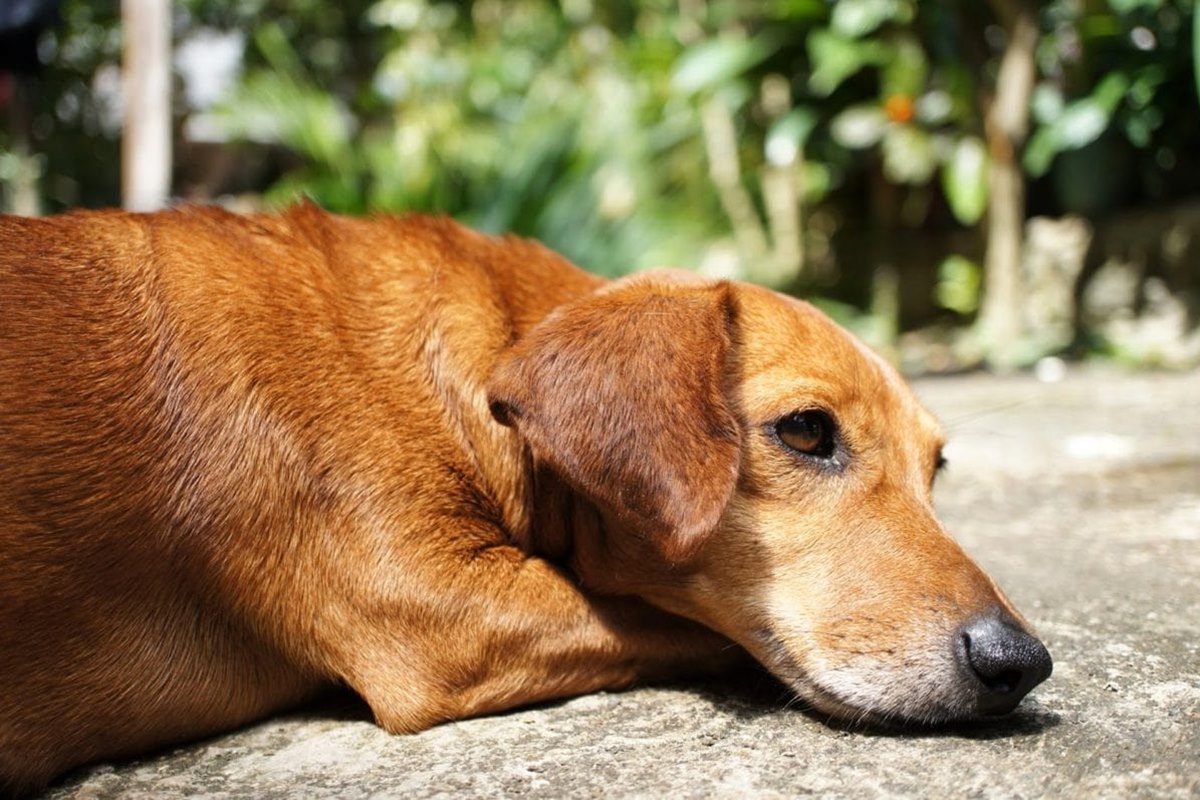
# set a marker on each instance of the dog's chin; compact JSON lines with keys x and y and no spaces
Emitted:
{"x":841,"y":712}
{"x":850,"y":701}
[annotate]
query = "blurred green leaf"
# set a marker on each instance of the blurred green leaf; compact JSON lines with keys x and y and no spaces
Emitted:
{"x":959,"y":283}
{"x":908,"y":155}
{"x":1130,"y":6}
{"x":1145,"y":84}
{"x":1040,"y":150}
{"x":906,"y":70}
{"x":859,"y":126}
{"x":1047,"y":103}
{"x":962,"y":87}
{"x":1081,"y":123}
{"x":1196,"y":43}
{"x":270,"y":107}
{"x":857,"y":18}
{"x":273,"y":43}
{"x":714,"y":62}
{"x":1076,"y":124}
{"x":817,"y":180}
{"x":798,"y":10}
{"x":786,"y":137}
{"x":964,"y":179}
{"x":1099,"y":26}
{"x":1110,"y":91}
{"x":835,"y":58}
{"x":934,"y":108}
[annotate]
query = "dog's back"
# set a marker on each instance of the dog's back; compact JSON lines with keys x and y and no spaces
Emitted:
{"x":191,"y":405}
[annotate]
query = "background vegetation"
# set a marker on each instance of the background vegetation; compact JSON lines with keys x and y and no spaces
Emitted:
{"x":881,"y":154}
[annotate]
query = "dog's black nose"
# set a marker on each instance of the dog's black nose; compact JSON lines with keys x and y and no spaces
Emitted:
{"x":1006,"y":661}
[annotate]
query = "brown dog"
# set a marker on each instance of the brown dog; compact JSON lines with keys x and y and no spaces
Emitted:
{"x":245,"y":458}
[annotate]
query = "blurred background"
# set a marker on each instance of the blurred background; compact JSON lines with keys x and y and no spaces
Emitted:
{"x":1000,"y":183}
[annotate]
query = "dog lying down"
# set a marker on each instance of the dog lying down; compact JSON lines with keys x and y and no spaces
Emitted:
{"x":243,"y":459}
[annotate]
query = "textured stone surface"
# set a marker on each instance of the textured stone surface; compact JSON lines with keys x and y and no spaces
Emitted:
{"x":1082,"y":498}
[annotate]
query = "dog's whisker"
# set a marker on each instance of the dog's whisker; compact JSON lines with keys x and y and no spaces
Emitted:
{"x":953,"y":424}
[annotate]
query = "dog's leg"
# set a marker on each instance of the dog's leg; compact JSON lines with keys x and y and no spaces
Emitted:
{"x":513,"y":630}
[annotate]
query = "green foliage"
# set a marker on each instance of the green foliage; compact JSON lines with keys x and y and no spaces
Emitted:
{"x":597,"y":127}
{"x":1071,"y":126}
{"x":857,"y":18}
{"x":959,"y":283}
{"x":1120,"y":71}
{"x":1196,"y":43}
{"x":714,"y":63}
{"x":545,"y":125}
{"x":836,"y":57}
{"x":919,"y":110}
{"x":73,"y":127}
{"x":964,"y":179}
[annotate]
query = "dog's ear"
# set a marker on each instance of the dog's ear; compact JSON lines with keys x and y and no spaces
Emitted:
{"x":623,"y":393}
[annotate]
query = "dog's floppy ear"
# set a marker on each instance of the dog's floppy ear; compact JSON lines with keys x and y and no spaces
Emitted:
{"x":623,"y":393}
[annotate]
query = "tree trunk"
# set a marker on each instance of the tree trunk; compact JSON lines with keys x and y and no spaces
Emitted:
{"x":1007,"y":124}
{"x":146,"y":140}
{"x":782,"y":182}
{"x":724,"y":168}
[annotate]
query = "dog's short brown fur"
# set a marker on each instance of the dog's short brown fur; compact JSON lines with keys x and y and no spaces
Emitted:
{"x":245,"y":458}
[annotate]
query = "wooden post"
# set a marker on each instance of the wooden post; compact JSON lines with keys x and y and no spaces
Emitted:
{"x":146,"y":85}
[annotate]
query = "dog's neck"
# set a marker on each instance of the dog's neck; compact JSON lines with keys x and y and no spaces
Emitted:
{"x":561,"y":516}
{"x":603,"y":554}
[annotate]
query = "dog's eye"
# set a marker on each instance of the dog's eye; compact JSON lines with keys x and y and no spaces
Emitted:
{"x":807,"y":432}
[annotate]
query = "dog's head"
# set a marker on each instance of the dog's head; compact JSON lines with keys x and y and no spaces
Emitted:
{"x":762,"y":472}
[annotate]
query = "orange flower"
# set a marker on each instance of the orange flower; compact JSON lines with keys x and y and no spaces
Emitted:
{"x":899,"y":108}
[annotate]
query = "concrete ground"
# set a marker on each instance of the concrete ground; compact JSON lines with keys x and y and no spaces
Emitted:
{"x":1082,"y":498}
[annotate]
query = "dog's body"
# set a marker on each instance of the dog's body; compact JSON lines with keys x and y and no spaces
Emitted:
{"x":244,"y":458}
